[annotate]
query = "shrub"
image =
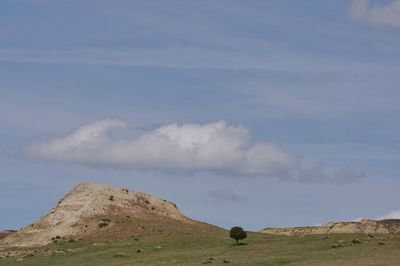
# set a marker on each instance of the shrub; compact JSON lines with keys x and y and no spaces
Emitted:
{"x":356,"y":241}
{"x":208,"y":261}
{"x":104,"y":222}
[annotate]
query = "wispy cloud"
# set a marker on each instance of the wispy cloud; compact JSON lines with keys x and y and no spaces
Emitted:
{"x":319,"y":174}
{"x":196,"y":58}
{"x":388,"y":15}
{"x":318,"y":98}
{"x":224,"y":194}
{"x":390,"y":215}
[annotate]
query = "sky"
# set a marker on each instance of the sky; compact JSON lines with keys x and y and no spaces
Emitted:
{"x":251,"y":113}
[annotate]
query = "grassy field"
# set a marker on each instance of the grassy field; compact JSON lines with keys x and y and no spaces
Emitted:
{"x":191,"y":248}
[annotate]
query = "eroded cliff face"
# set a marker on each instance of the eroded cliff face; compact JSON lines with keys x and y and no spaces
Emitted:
{"x":90,"y":209}
{"x":5,"y":233}
{"x":363,"y":227}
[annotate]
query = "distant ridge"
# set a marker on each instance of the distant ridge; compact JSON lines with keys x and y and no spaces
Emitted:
{"x":364,"y":227}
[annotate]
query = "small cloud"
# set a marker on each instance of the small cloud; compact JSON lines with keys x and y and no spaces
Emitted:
{"x":387,"y":15}
{"x":226,"y":194}
{"x":390,"y":215}
{"x":317,"y":224}
{"x":216,"y":147}
{"x":319,"y":174}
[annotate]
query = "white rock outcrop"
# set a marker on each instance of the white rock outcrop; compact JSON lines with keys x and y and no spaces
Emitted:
{"x":362,"y":227}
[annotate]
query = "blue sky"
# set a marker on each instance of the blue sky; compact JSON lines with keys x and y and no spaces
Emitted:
{"x":308,"y":92}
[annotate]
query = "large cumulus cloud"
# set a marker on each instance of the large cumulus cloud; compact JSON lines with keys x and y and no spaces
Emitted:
{"x":216,"y":147}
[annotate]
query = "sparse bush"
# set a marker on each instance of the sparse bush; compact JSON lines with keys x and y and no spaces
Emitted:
{"x":56,"y":238}
{"x":104,"y":222}
{"x":237,"y":233}
{"x":111,"y":198}
{"x":381,"y":243}
{"x":356,"y":241}
{"x":208,"y":261}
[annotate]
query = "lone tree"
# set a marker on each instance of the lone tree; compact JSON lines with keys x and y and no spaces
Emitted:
{"x":237,"y":233}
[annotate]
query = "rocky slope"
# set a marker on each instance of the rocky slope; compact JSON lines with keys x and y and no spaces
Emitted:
{"x":364,"y":226}
{"x":92,"y":210}
{"x":5,"y":233}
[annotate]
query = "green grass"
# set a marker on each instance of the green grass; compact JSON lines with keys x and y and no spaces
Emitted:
{"x":190,"y":248}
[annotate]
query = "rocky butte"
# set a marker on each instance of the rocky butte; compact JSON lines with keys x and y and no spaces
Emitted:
{"x":95,"y":211}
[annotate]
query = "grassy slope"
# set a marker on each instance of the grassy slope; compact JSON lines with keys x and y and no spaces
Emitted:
{"x":190,"y":248}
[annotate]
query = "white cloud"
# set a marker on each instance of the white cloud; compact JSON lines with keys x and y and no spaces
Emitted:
{"x":216,"y":147}
{"x":388,"y":15}
{"x":390,"y":215}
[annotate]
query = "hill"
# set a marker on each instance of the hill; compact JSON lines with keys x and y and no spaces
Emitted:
{"x":390,"y":226}
{"x":95,"y":212}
